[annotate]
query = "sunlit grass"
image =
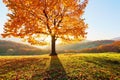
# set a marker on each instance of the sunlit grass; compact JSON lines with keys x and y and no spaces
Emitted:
{"x":104,"y":66}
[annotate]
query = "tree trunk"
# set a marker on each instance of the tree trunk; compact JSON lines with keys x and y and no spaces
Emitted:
{"x":53,"y":48}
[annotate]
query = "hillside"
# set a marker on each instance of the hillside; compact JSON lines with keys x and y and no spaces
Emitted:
{"x":113,"y":47}
{"x":116,"y":39}
{"x":14,"y":48}
{"x":83,"y":45}
{"x":62,"y":67}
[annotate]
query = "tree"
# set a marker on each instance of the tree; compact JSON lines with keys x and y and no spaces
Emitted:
{"x":31,"y":20}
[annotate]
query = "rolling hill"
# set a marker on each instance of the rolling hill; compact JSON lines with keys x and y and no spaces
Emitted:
{"x":14,"y":48}
{"x":83,"y":45}
{"x":113,"y":47}
{"x":116,"y":39}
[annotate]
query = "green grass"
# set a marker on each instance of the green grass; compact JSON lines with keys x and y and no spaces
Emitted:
{"x":102,"y":66}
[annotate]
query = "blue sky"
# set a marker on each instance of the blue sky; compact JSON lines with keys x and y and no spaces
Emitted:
{"x":102,"y":16}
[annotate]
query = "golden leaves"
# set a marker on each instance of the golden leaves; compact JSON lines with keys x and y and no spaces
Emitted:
{"x":48,"y":17}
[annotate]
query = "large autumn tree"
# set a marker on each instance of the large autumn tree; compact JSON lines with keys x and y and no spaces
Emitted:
{"x":34,"y":19}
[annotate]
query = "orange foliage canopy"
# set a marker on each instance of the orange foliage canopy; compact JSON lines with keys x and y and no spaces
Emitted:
{"x":31,"y":19}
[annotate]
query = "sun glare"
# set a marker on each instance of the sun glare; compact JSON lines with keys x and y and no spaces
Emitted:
{"x":48,"y":40}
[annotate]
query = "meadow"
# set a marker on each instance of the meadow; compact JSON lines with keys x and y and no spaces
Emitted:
{"x":67,"y":66}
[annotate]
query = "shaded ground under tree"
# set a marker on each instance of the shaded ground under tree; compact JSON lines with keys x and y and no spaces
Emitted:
{"x":54,"y":71}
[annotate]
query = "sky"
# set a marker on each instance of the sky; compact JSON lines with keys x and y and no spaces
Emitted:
{"x":102,"y":17}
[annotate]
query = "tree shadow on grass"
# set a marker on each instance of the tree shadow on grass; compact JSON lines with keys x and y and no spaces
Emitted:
{"x":56,"y":70}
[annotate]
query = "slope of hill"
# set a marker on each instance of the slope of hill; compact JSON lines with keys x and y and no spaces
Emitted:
{"x":114,"y":47}
{"x":14,"y":48}
{"x":83,"y":45}
{"x":116,"y":39}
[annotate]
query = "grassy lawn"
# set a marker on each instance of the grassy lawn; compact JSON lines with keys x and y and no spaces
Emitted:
{"x":103,"y":66}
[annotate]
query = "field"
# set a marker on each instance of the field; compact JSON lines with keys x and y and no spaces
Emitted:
{"x":100,"y":66}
